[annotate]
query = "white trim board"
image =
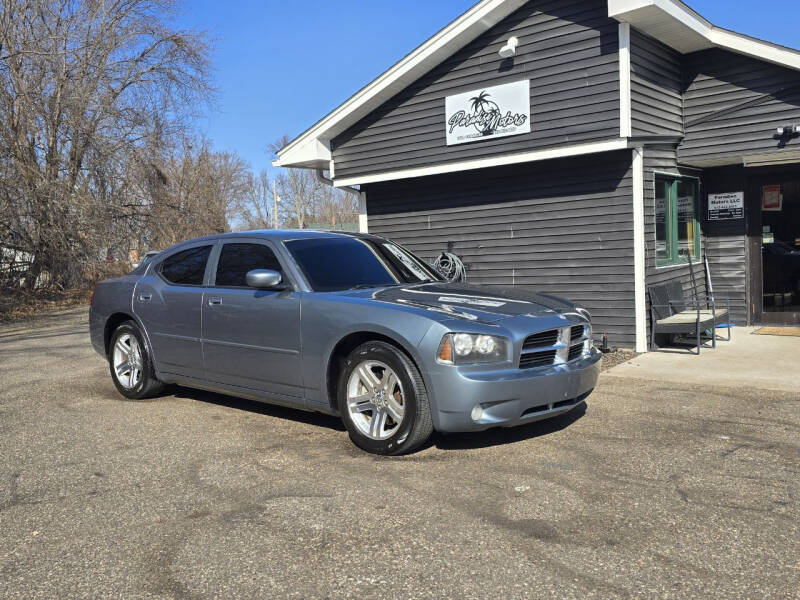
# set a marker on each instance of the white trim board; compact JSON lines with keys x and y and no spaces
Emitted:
{"x":363,"y":220}
{"x":484,"y":163}
{"x":625,"y":103}
{"x":639,"y":251}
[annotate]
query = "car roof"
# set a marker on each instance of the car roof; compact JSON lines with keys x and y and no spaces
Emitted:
{"x":280,"y":235}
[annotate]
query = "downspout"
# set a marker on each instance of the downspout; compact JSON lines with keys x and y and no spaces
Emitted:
{"x":363,"y":226}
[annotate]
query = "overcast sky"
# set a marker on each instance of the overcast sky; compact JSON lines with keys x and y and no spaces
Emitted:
{"x":280,"y":66}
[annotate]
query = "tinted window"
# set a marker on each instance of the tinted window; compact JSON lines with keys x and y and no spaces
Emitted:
{"x":186,"y":267}
{"x":332,"y":264}
{"x":237,"y":259}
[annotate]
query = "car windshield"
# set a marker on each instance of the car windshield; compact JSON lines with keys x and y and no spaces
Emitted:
{"x":345,"y":263}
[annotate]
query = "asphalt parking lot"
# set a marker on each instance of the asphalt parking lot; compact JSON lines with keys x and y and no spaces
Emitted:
{"x":656,"y":489}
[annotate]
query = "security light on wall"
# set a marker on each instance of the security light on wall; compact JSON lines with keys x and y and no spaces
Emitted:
{"x":510,"y":49}
{"x":788,"y":130}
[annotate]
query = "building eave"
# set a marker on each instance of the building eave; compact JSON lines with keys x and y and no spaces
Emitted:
{"x":678,"y":26}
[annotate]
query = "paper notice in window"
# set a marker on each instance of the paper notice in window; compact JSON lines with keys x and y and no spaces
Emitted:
{"x":771,"y":198}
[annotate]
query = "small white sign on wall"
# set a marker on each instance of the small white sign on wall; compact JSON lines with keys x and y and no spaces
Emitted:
{"x":488,"y":113}
{"x":726,"y":206}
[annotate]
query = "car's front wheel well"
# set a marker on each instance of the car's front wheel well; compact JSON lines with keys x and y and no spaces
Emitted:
{"x":340,"y":353}
{"x":112,"y":323}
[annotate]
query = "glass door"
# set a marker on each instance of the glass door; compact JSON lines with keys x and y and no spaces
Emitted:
{"x":780,"y":252}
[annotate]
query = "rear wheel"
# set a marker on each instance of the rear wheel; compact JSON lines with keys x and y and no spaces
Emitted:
{"x":382,"y":400}
{"x":131,"y":364}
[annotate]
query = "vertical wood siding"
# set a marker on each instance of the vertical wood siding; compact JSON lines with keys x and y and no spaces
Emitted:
{"x":567,"y":48}
{"x":656,"y":87}
{"x":563,"y":226}
{"x":733,"y":105}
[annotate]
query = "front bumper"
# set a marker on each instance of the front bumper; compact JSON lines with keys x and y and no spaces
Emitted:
{"x":511,"y":397}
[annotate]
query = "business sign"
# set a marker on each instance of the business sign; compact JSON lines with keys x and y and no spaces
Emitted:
{"x":726,"y":206}
{"x":489,"y":113}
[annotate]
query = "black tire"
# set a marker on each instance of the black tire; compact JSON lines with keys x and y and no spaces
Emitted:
{"x":148,"y":385}
{"x":416,"y":426}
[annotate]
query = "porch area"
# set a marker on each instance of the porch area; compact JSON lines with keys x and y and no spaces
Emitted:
{"x":769,"y":362}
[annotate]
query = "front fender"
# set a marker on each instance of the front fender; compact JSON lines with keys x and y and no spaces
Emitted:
{"x":325,"y":324}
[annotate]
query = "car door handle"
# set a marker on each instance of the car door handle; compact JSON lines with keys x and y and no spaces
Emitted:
{"x":213,"y":301}
{"x":145,"y":297}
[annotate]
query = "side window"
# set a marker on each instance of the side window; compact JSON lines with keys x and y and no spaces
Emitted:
{"x":186,"y":267}
{"x":236,"y":260}
{"x":677,"y":223}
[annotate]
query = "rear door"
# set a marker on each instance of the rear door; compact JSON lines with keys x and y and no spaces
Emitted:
{"x":251,"y":338}
{"x":168,"y":300}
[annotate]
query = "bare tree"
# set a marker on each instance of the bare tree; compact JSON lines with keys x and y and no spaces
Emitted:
{"x":195,"y":192}
{"x":87,"y":89}
{"x":254,"y":211}
{"x":335,"y":207}
{"x":297,"y":189}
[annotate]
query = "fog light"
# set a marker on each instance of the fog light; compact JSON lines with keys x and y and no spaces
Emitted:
{"x":477,"y":413}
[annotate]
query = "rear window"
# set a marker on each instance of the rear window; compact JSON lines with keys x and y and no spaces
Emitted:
{"x":186,"y":267}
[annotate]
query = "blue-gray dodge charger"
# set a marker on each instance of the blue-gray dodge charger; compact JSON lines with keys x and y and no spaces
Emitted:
{"x":346,"y":324}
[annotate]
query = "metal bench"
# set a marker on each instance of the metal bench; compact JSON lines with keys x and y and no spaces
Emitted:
{"x":672,"y":313}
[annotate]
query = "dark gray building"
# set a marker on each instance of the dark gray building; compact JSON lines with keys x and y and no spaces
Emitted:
{"x":584,"y":147}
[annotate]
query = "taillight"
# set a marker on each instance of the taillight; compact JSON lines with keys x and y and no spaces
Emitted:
{"x":91,"y":298}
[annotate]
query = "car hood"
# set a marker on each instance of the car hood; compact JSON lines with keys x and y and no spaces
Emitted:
{"x":473,"y":303}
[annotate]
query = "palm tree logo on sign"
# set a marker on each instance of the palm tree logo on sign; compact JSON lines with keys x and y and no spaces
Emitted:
{"x":487,"y":109}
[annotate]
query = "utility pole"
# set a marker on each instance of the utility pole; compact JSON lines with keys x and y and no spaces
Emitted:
{"x":275,"y":203}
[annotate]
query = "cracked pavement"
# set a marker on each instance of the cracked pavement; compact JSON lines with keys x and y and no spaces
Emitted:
{"x":653,"y":489}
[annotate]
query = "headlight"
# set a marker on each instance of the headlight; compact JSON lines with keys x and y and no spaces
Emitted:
{"x":471,"y":348}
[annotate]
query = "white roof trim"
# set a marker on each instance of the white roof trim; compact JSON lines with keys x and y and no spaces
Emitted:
{"x":680,"y":27}
{"x":441,"y":46}
{"x":483,"y":163}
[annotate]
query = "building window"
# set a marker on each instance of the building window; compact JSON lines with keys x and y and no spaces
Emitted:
{"x":677,"y":225}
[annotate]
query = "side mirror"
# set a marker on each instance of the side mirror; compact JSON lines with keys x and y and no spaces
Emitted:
{"x":263,"y":279}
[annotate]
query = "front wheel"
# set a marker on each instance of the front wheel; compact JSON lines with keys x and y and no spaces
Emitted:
{"x":382,"y":400}
{"x":131,"y":364}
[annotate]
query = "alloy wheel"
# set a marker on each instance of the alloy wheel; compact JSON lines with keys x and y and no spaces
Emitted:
{"x":375,"y":399}
{"x":127,"y":360}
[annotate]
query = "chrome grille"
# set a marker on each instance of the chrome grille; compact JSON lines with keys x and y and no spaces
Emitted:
{"x":537,"y":359}
{"x":576,"y":332}
{"x":540,"y":340}
{"x":575,"y":351}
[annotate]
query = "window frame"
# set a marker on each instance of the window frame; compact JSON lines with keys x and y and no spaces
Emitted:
{"x":675,"y":259}
{"x":286,"y":276}
{"x":157,"y":267}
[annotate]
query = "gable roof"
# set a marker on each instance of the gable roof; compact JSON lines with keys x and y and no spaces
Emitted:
{"x":670,"y":21}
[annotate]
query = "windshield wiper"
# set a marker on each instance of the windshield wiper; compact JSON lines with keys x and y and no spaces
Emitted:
{"x":366,"y":286}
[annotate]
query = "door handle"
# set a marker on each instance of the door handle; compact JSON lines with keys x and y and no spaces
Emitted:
{"x":214,"y":301}
{"x":145,"y":297}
